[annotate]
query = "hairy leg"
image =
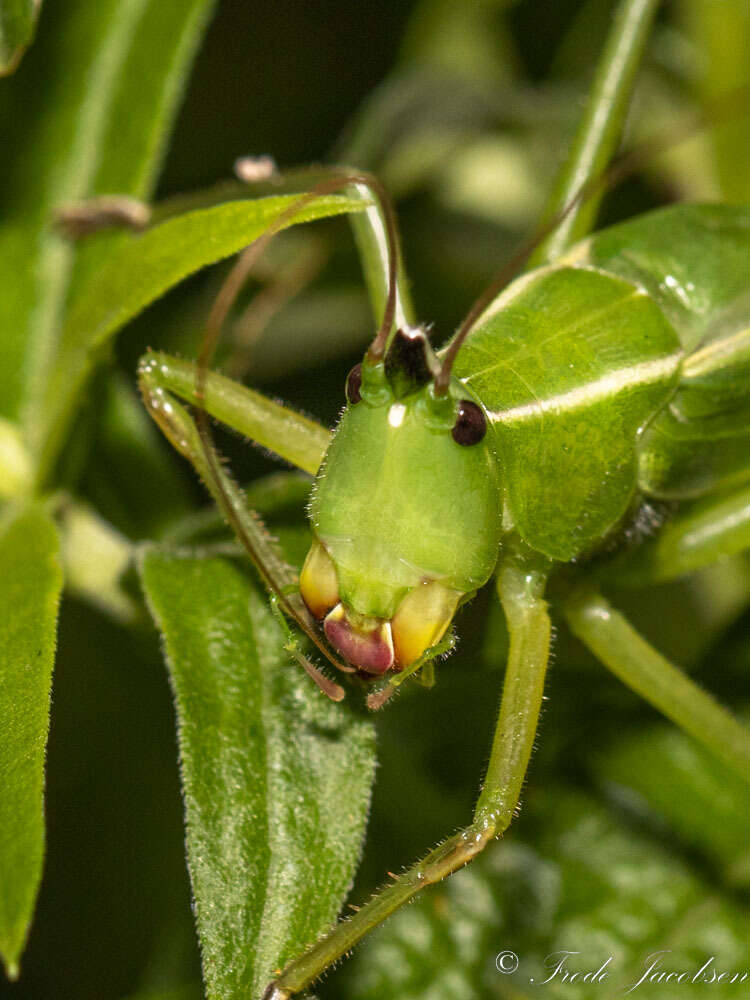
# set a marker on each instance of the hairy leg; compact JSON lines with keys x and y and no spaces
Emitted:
{"x":529,"y":627}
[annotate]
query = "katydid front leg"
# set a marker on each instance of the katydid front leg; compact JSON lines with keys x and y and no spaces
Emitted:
{"x":302,"y":441}
{"x":291,"y":436}
{"x":521,"y":593}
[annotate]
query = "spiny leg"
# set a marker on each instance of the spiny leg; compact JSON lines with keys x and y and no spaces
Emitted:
{"x":529,"y":627}
{"x":193,"y":438}
{"x":615,"y":642}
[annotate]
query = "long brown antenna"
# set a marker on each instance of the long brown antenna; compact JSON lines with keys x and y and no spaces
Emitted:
{"x":622,"y":167}
{"x":338,"y":179}
{"x":222,"y":305}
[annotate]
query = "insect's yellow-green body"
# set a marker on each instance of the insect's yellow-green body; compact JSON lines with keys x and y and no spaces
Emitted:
{"x":620,"y":373}
{"x":585,"y":390}
{"x":614,"y":376}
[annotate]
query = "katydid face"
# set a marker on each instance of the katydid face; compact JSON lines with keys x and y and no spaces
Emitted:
{"x":406,"y":518}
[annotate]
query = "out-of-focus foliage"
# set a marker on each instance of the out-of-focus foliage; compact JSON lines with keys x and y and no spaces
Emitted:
{"x":62,"y":128}
{"x":17,"y":23}
{"x":720,"y":32}
{"x":595,"y":890}
{"x":138,"y":272}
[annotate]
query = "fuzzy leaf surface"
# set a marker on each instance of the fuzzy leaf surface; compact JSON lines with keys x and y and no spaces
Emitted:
{"x":113,"y":72}
{"x":30,"y":569}
{"x":276,"y":780}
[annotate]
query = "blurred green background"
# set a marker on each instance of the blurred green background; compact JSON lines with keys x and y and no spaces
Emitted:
{"x":468,"y":140}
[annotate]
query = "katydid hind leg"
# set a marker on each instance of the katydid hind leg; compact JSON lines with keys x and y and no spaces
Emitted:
{"x":247,"y":528}
{"x":529,"y":627}
{"x":295,"y":438}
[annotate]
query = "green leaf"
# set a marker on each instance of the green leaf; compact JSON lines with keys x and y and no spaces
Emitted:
{"x":30,"y":570}
{"x":144,"y":268}
{"x":276,"y":780}
{"x":113,"y":72}
{"x":685,"y":786}
{"x":17,"y":23}
{"x":593,"y":886}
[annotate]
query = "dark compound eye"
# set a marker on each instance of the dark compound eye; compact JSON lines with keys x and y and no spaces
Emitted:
{"x":471,"y":424}
{"x":354,"y":384}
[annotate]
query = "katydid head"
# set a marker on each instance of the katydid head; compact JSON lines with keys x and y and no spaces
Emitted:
{"x":406,"y":511}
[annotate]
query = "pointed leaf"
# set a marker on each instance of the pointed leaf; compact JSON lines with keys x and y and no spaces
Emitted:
{"x":276,"y":780}
{"x":32,"y":579}
{"x":145,"y":267}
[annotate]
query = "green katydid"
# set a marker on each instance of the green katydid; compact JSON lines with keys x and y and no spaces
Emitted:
{"x":585,"y":390}
{"x":530,"y":449}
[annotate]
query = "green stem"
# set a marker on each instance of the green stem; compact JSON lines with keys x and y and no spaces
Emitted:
{"x":627,"y":654}
{"x":529,"y":627}
{"x":369,"y":232}
{"x":599,"y":130}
